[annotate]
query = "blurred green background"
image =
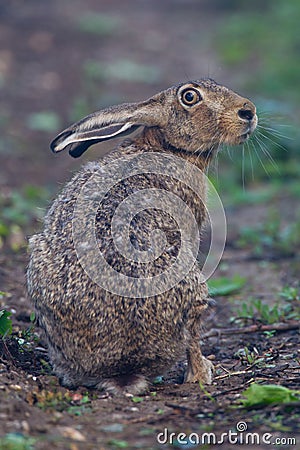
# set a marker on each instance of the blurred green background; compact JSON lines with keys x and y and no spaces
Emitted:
{"x":62,"y":59}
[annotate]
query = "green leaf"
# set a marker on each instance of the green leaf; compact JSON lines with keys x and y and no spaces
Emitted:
{"x":4,"y":294}
{"x":118,"y":443}
{"x":5,"y":323}
{"x":4,"y":229}
{"x":262,"y":395}
{"x":137,"y":399}
{"x":225,"y":285}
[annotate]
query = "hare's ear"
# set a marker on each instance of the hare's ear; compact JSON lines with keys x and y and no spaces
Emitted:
{"x":109,"y":123}
{"x":78,"y":142}
{"x":79,"y":137}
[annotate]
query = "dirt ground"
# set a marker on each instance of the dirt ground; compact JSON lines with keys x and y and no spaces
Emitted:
{"x":42,"y":52}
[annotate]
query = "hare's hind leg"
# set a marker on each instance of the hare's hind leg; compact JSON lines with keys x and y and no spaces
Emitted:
{"x":199,"y":368}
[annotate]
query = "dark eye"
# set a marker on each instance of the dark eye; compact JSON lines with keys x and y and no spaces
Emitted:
{"x":190,"y":97}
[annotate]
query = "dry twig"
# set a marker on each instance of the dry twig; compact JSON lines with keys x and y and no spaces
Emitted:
{"x":284,"y":326}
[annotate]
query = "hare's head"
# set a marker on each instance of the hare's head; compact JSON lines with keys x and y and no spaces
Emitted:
{"x":197,"y":116}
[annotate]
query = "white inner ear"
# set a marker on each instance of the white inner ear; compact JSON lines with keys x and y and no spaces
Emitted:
{"x":80,"y":136}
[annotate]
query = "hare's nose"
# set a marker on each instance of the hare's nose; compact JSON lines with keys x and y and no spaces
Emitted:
{"x":247,"y":112}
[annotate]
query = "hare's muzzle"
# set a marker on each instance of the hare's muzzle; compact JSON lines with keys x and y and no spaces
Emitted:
{"x":247,"y":115}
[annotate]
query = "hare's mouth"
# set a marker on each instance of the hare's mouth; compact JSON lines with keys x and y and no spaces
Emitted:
{"x":245,"y":136}
{"x":247,"y":133}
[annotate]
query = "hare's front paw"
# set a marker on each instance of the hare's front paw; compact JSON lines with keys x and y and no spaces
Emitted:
{"x":199,"y":369}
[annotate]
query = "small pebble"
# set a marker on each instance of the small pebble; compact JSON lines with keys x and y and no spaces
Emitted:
{"x":15,"y":387}
{"x":71,"y":433}
{"x":25,"y":426}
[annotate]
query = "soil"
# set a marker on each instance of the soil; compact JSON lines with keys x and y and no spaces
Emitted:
{"x":41,"y":58}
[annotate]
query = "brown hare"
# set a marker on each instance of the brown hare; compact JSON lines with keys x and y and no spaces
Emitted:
{"x":119,"y":331}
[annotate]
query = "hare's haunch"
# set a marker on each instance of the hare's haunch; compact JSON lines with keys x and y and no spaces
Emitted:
{"x":113,"y":276}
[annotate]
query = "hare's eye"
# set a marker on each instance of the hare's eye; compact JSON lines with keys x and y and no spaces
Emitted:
{"x":190,"y":97}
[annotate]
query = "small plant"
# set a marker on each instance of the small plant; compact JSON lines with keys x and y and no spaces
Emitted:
{"x":79,"y":406}
{"x":269,"y":334}
{"x":5,"y":323}
{"x":290,"y":294}
{"x":257,"y":310}
{"x":16,"y":441}
{"x":250,"y":357}
{"x":59,"y":401}
{"x":27,"y":336}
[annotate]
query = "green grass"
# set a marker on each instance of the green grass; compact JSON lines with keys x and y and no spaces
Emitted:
{"x":272,"y":237}
{"x":257,"y":37}
{"x":249,"y":42}
{"x":19,"y":210}
{"x":16,"y":441}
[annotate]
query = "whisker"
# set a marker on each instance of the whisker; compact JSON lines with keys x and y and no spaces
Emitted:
{"x":229,"y":149}
{"x":259,"y":158}
{"x":276,"y":144}
{"x":243,"y":167}
{"x":275,"y":132}
{"x":267,"y":154}
{"x":217,"y":167}
{"x":267,"y":119}
{"x":251,"y":159}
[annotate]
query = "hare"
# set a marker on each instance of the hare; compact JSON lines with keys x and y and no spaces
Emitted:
{"x":114,"y":336}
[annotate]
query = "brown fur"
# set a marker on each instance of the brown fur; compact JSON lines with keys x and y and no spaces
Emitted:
{"x":100,"y":339}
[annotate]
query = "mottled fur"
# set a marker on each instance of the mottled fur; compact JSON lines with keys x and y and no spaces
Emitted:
{"x":96,"y":338}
